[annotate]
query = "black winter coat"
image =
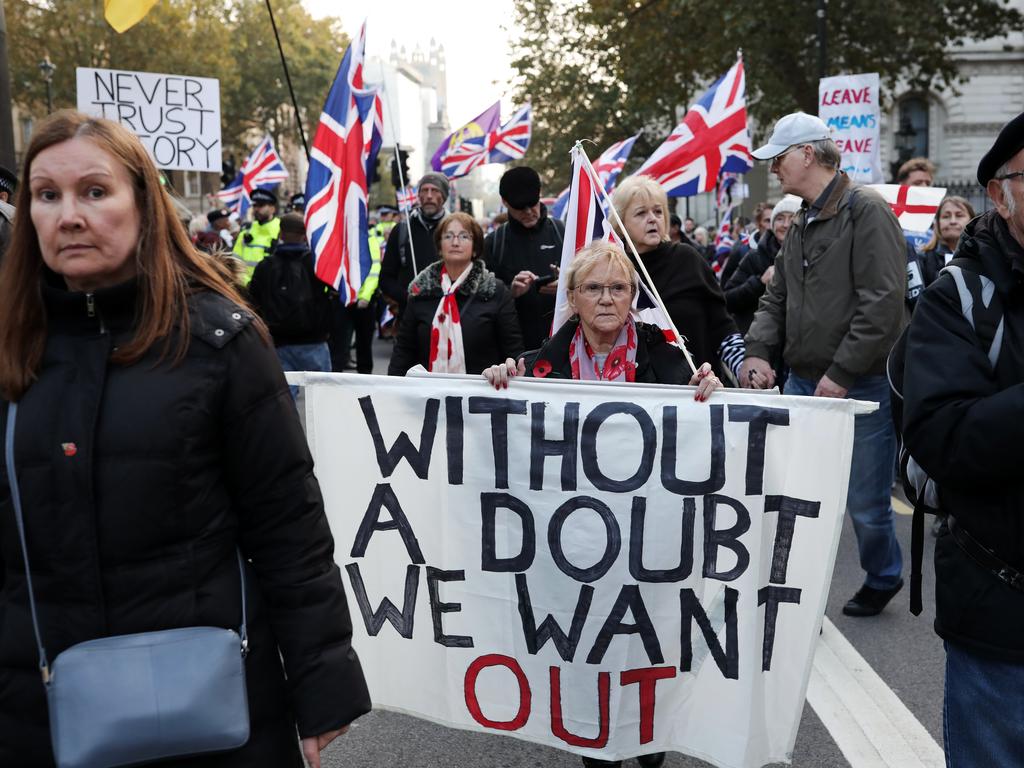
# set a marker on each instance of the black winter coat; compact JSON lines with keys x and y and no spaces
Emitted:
{"x":512,"y":248}
{"x":490,"y":330}
{"x":138,"y":482}
{"x":744,"y":289}
{"x":657,"y":361}
{"x":396,"y":265}
{"x":693,"y":298}
{"x":962,"y":423}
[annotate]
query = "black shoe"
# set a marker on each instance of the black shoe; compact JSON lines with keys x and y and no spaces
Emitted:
{"x":869,"y":601}
{"x":654,"y":760}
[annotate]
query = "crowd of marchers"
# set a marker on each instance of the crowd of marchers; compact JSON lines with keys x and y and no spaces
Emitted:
{"x":156,"y":435}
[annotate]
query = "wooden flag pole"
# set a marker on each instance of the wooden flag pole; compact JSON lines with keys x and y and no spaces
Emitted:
{"x":596,"y":181}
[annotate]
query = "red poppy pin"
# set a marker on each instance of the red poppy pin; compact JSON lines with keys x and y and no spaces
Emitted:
{"x":70,"y":449}
{"x":541,"y":368}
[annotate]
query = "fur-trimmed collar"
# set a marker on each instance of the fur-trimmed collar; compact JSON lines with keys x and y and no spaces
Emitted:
{"x":480,"y":281}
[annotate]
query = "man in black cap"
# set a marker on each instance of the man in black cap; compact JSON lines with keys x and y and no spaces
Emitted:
{"x":404,"y":258}
{"x":258,"y":237}
{"x":8,"y":186}
{"x":219,"y":223}
{"x":963,"y":409}
{"x":524,"y":253}
{"x":297,"y":203}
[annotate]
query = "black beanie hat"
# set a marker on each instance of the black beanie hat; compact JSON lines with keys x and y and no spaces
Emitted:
{"x":520,"y":187}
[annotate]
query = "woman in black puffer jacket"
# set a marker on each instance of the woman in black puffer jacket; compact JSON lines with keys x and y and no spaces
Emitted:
{"x":155,"y":435}
{"x":459,"y":317}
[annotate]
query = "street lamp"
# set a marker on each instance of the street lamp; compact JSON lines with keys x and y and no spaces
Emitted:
{"x":47,"y":68}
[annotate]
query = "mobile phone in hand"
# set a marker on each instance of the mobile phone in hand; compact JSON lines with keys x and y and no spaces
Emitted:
{"x":541,"y":280}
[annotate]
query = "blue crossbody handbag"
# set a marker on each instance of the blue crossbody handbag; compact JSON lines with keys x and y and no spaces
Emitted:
{"x":132,"y":699}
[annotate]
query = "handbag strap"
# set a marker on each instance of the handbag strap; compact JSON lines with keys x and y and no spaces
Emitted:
{"x":12,"y":481}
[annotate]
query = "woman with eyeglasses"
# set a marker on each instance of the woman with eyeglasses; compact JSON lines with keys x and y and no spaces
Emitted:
{"x":690,"y":290}
{"x":602,"y":341}
{"x":459,"y":317}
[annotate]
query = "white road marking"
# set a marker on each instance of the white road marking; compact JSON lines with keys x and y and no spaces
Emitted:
{"x":869,"y":723}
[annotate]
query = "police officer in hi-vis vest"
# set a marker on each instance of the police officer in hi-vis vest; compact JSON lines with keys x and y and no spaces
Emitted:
{"x":257,"y":238}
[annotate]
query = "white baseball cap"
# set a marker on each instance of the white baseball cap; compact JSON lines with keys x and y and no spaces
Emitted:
{"x":797,"y":128}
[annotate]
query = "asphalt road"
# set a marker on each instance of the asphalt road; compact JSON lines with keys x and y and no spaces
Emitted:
{"x":902,"y":649}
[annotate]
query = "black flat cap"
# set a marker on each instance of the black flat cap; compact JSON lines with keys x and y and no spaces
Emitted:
{"x":520,"y":187}
{"x":218,"y":213}
{"x":260,"y":195}
{"x":1008,"y":143}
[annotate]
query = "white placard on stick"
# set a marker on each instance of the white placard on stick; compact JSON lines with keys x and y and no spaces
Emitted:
{"x":849,"y":106}
{"x":176,"y":116}
{"x":612,"y":570}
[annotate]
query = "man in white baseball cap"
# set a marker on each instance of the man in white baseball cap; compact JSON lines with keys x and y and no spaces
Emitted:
{"x":797,"y":128}
{"x":834,"y":308}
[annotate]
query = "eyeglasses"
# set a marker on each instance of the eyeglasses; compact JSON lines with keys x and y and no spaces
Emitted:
{"x":463,"y":237}
{"x":596,"y":290}
{"x":778,"y":158}
{"x":1013,"y":175}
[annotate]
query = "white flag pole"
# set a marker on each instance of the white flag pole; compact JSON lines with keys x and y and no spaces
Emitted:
{"x":596,"y":181}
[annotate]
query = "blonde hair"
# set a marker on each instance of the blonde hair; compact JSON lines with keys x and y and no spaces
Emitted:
{"x":599,"y":252}
{"x":646,"y":188}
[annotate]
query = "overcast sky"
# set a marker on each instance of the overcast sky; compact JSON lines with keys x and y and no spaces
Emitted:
{"x":476,"y":46}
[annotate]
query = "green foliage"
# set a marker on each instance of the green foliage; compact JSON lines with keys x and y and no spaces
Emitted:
{"x":231,"y":40}
{"x":604,"y":69}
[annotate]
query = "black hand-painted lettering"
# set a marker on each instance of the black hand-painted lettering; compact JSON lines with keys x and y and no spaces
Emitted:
{"x":438,"y":608}
{"x":489,"y":504}
{"x":613,"y":539}
{"x":789,"y":509}
{"x":629,"y":599}
{"x":549,"y":629}
{"x":388,"y":458}
{"x":759,"y":418}
{"x":384,"y":498}
{"x":770,"y":597}
{"x":725,"y":537}
{"x":499,"y":408}
{"x":716,"y":476}
{"x":401,"y":620}
{"x":588,"y":447}
{"x":454,"y":432}
{"x":690,"y":609}
{"x":637,"y":519}
{"x":541,"y":447}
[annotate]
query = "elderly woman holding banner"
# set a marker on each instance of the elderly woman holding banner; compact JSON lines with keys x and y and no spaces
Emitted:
{"x":603,"y":342}
{"x":691,"y":293}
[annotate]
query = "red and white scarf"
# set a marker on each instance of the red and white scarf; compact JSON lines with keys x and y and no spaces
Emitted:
{"x":447,"y":355}
{"x":620,"y":365}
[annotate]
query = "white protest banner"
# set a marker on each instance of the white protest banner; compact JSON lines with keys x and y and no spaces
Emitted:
{"x":176,"y":116}
{"x":607,"y":569}
{"x":849,"y":106}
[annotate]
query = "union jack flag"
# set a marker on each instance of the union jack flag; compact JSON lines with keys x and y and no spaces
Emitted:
{"x":343,"y":148}
{"x":608,"y":167}
{"x":509,"y":142}
{"x":585,"y":222}
{"x":262,"y":168}
{"x":723,"y":244}
{"x":711,"y":139}
{"x":406,"y":198}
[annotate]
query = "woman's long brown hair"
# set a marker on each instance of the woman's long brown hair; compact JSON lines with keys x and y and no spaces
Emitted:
{"x":167,"y":265}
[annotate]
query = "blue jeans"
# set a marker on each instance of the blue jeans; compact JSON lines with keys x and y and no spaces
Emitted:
{"x":982,"y":711}
{"x":304,"y":357}
{"x":869,"y":498}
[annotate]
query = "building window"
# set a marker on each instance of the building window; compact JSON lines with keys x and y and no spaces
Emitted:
{"x":193,"y":185}
{"x":914,"y":121}
{"x":26,"y":131}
